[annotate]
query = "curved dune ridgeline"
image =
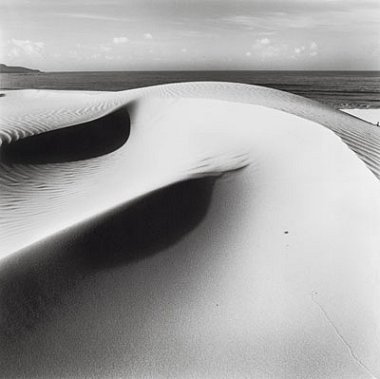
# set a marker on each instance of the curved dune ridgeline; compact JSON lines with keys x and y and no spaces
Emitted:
{"x":200,"y":230}
{"x":81,"y":141}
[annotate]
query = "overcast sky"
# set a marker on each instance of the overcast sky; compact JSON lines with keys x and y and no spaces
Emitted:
{"x":57,"y":35}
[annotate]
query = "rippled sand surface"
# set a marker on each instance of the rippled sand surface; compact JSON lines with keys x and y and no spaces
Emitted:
{"x":187,"y":230}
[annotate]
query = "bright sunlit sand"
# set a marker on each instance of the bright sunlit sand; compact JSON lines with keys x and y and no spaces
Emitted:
{"x":370,"y":115}
{"x":200,"y":230}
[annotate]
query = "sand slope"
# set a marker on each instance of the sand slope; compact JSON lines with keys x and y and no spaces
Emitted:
{"x":230,"y":235}
{"x":370,"y":115}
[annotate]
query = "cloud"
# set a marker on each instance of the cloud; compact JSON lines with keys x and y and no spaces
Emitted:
{"x":299,"y":50}
{"x":264,"y":48}
{"x":25,"y":47}
{"x":148,"y":36}
{"x":311,"y":50}
{"x":264,"y":41}
{"x":261,"y":43}
{"x":272,"y":51}
{"x":119,"y":40}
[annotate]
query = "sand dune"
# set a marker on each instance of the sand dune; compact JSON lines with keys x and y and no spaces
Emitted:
{"x":370,"y":115}
{"x":220,"y":230}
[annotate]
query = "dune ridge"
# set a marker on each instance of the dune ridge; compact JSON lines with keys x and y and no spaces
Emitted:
{"x":260,"y":257}
{"x":90,"y":108}
{"x":80,"y":108}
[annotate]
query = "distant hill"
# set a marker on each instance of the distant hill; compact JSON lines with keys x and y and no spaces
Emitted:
{"x":15,"y":69}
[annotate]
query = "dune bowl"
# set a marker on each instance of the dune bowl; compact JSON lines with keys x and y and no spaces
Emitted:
{"x":187,"y":230}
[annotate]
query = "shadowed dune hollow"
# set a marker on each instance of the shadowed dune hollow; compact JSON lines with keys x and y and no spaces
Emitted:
{"x":44,"y":272}
{"x":82,"y":141}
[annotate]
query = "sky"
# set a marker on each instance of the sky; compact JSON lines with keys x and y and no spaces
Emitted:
{"x":76,"y":35}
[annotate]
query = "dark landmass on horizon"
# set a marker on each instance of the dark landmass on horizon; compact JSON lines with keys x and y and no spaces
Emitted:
{"x":15,"y":69}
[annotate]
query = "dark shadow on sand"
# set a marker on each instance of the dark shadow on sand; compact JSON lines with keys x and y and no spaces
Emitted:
{"x":82,"y":141}
{"x":33,"y":282}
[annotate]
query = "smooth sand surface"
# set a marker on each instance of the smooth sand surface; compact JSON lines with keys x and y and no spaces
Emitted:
{"x":234,"y":233}
{"x":370,"y":115}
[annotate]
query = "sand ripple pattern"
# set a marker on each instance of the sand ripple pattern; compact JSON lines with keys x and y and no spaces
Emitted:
{"x":39,"y":197}
{"x":362,"y":137}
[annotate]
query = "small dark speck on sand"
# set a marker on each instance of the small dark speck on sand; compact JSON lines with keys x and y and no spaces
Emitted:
{"x":286,"y":232}
{"x":217,"y":305}
{"x":2,"y":94}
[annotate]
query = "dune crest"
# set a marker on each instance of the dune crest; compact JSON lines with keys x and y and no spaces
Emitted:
{"x":233,"y":233}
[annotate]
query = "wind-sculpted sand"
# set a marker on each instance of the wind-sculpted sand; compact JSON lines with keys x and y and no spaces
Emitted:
{"x":200,"y":230}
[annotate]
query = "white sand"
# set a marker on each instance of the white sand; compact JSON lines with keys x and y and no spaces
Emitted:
{"x":279,"y":280}
{"x":370,"y":115}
